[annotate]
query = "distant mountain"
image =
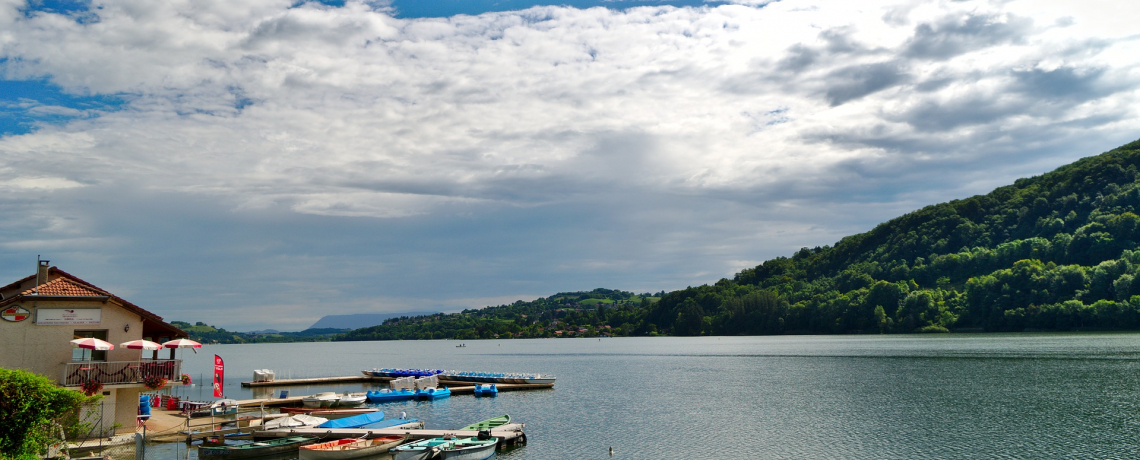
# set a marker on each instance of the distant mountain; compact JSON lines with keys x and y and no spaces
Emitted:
{"x":359,"y":320}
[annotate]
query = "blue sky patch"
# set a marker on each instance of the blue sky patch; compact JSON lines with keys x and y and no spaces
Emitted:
{"x":446,"y":8}
{"x":27,"y":104}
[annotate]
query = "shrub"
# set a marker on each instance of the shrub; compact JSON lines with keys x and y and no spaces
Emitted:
{"x":32,"y":407}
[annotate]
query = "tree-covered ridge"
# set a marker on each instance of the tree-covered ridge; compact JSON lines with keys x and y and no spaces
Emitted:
{"x":601,"y":312}
{"x":204,"y":333}
{"x":1055,"y":251}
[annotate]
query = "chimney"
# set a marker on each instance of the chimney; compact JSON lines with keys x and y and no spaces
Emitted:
{"x":42,"y":271}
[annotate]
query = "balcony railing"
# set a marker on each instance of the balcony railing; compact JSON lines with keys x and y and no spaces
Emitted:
{"x":120,"y":372}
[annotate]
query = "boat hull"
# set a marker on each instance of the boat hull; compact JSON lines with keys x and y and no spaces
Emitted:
{"x":359,"y":449}
{"x":254,"y":450}
{"x":425,"y":395}
{"x":385,"y":396}
{"x":474,"y":452}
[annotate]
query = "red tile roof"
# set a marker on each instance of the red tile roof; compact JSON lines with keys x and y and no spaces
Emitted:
{"x":70,"y":285}
{"x":66,"y":287}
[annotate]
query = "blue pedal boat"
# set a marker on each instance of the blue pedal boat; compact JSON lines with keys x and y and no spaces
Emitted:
{"x":432,"y":393}
{"x":486,"y":389}
{"x":390,"y":395}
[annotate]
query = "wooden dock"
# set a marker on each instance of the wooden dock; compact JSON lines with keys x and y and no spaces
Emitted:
{"x":508,"y":433}
{"x":456,"y":386}
{"x":314,"y":381}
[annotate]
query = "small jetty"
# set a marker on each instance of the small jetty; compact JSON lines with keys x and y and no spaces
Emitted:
{"x":457,"y":382}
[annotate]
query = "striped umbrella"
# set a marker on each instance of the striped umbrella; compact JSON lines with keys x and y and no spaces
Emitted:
{"x":92,"y":343}
{"x":181,"y":343}
{"x":141,"y":345}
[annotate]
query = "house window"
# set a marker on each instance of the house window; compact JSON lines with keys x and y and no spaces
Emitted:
{"x":82,"y":354}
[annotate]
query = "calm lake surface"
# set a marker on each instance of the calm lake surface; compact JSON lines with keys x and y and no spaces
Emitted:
{"x":1017,"y":396}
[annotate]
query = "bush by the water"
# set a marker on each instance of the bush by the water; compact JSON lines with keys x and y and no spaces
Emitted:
{"x":33,"y":411}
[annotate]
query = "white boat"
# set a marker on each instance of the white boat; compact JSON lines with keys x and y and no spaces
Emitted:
{"x":326,"y":399}
{"x":349,"y":448}
{"x":470,"y":449}
{"x":295,"y":421}
{"x":349,"y":400}
{"x":421,"y":450}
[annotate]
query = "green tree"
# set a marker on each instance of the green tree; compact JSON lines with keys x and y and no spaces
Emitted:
{"x":33,"y":410}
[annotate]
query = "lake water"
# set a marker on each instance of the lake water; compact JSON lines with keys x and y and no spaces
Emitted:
{"x":1016,"y":396}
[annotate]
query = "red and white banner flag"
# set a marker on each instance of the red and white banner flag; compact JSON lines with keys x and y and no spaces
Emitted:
{"x":219,"y":376}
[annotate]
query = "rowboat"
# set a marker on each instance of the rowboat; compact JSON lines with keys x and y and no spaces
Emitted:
{"x":349,"y":448}
{"x":486,"y":389}
{"x":390,"y":395}
{"x":256,"y":449}
{"x":489,"y":423}
{"x":447,"y":449}
{"x":355,"y":421}
{"x":421,"y":450}
{"x":326,"y":399}
{"x":433,"y":393}
{"x":470,"y":449}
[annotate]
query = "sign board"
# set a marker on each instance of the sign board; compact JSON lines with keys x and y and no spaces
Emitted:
{"x":15,"y":314}
{"x":68,"y":316}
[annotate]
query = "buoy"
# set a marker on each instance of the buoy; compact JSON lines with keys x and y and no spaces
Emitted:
{"x":611,"y":451}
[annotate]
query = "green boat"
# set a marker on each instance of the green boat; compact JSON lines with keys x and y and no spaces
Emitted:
{"x":256,"y":449}
{"x":489,"y":423}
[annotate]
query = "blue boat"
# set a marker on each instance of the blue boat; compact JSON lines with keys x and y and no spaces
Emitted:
{"x":389,"y":423}
{"x":486,"y":389}
{"x":433,"y":393}
{"x":390,"y":395}
{"x":356,"y":421}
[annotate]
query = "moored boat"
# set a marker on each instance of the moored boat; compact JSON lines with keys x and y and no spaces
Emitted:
{"x":486,"y":389}
{"x":326,"y":399}
{"x":294,"y":421}
{"x":349,"y":448}
{"x":421,"y":450}
{"x":328,"y":413}
{"x":351,"y":400}
{"x":469,"y":449}
{"x":256,"y":449}
{"x":386,"y":395}
{"x":497,"y":377}
{"x":488,"y":424}
{"x":432,"y":393}
{"x":355,"y":421}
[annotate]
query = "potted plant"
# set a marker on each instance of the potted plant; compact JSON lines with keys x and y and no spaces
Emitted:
{"x":90,"y":387}
{"x":154,"y":382}
{"x":186,"y":379}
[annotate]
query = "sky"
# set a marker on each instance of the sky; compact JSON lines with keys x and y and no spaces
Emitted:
{"x":259,"y":164}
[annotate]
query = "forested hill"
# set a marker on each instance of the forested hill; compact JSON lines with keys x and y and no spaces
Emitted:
{"x":1053,"y":252}
{"x":601,"y":312}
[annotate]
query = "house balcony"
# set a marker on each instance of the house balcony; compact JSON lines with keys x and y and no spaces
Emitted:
{"x":120,"y":372}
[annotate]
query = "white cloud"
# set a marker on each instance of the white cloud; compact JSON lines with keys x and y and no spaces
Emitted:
{"x":751,"y":117}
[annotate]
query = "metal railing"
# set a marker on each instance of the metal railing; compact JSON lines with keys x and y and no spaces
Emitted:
{"x":120,"y":372}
